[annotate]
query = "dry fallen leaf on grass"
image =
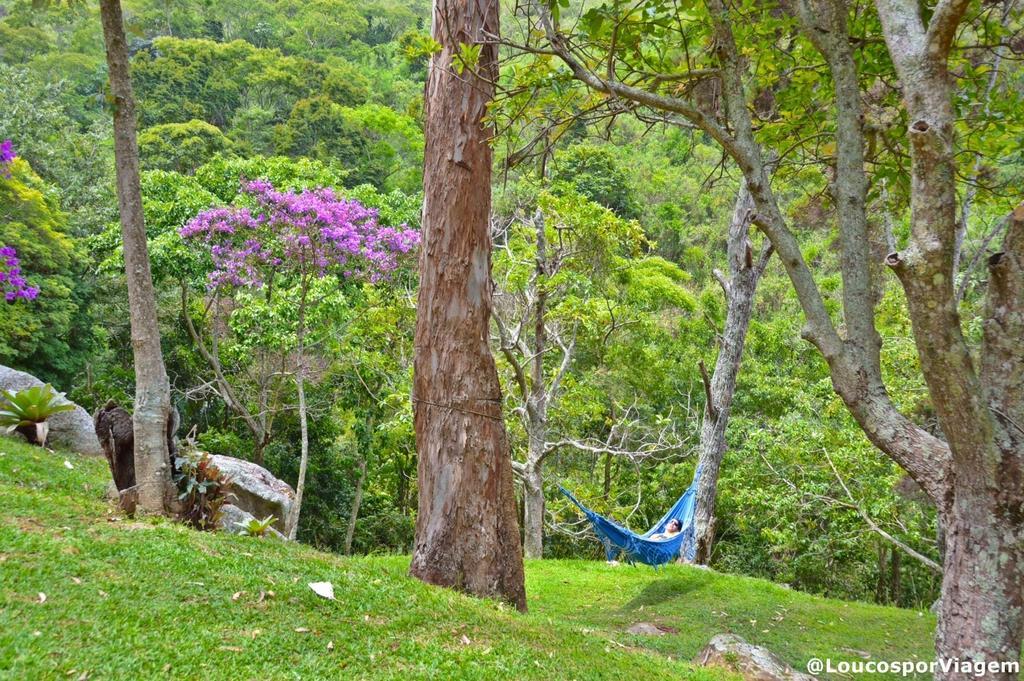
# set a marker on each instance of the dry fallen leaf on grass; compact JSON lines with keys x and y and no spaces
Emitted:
{"x":465,"y":640}
{"x":323,"y":589}
{"x":235,"y":596}
{"x":301,"y":630}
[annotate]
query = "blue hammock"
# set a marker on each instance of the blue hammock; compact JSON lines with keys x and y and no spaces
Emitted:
{"x":639,"y":547}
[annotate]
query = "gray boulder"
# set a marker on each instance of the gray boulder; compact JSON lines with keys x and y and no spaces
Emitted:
{"x":255,"y":490}
{"x":753,"y":663}
{"x":71,"y":430}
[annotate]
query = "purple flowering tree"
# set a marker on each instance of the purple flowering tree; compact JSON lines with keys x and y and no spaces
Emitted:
{"x":291,"y":241}
{"x":7,"y":157}
{"x":12,"y":284}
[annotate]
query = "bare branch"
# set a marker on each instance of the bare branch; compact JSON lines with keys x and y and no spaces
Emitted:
{"x":927,"y":562}
{"x":852,"y":504}
{"x":723,"y":282}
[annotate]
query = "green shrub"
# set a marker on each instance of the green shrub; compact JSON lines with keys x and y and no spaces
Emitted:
{"x":204,"y":490}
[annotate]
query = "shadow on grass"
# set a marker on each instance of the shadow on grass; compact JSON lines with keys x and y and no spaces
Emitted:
{"x":661,"y":591}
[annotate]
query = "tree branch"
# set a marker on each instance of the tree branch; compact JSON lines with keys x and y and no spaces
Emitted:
{"x":709,"y":400}
{"x":942,"y":28}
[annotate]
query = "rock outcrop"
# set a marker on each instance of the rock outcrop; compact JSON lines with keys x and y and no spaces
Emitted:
{"x":256,"y":491}
{"x":753,"y":663}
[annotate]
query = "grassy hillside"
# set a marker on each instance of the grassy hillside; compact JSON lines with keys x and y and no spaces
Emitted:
{"x":151,"y":599}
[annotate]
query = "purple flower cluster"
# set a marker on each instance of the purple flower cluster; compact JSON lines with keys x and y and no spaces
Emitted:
{"x":12,"y":284}
{"x":7,"y":156}
{"x":312,"y":232}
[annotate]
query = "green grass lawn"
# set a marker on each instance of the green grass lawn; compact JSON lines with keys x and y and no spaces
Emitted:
{"x":151,"y":599}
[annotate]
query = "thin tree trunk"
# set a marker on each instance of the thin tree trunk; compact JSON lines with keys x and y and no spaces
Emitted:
{"x":300,"y":387}
{"x":210,"y":355}
{"x":467,"y":534}
{"x":739,"y":292}
{"x":350,"y":530}
{"x":607,"y":476}
{"x":894,"y":581}
{"x":152,"y":389}
{"x":537,"y":409}
{"x":533,"y":510}
{"x":880,"y":585}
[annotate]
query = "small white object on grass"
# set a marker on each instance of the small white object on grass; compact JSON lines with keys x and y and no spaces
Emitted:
{"x":323,"y":589}
{"x":67,"y":464}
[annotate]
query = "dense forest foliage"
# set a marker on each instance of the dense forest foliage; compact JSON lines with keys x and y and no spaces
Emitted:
{"x":329,"y":94}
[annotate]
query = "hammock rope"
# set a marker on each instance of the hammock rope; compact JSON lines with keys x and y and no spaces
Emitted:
{"x":640,"y":547}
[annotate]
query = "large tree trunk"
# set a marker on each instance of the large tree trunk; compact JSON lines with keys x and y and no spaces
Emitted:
{"x":467,"y":535}
{"x":745,"y":272}
{"x":982,"y":586}
{"x":152,"y":390}
{"x":983,"y":579}
{"x":980,"y":407}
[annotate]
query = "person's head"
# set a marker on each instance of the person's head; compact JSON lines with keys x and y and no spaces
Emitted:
{"x":673,"y":526}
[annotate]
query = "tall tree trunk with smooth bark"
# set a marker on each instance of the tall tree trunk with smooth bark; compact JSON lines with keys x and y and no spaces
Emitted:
{"x":739,"y":288}
{"x":152,"y":389}
{"x":467,"y":533}
{"x":300,"y":388}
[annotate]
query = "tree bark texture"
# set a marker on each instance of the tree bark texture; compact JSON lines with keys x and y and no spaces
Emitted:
{"x":739,"y":289}
{"x":467,"y":534}
{"x":152,"y":389}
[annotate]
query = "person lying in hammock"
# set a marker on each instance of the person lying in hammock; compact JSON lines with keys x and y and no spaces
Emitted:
{"x":673,"y":528}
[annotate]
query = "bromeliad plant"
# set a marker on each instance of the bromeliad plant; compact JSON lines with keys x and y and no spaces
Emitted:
{"x":26,"y":411}
{"x":204,"y":490}
{"x":257,"y":528}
